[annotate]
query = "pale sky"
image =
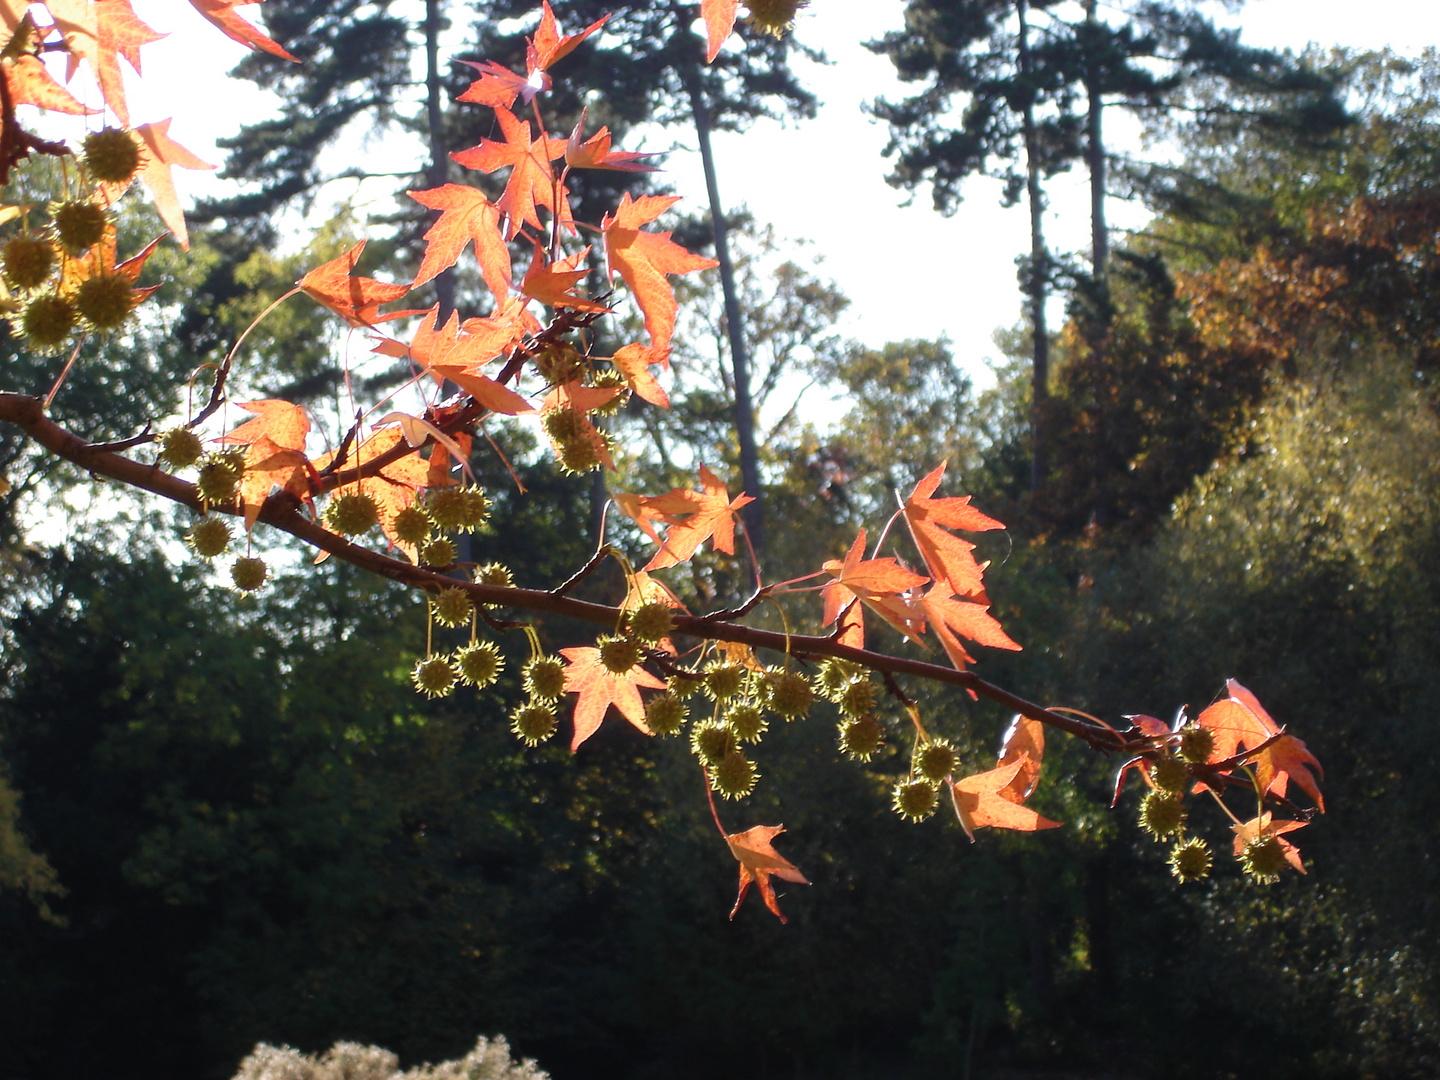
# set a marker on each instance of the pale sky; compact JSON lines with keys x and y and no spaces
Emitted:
{"x":908,"y":271}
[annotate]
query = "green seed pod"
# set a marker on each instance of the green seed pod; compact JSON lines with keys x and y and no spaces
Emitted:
{"x":711,"y":741}
{"x":651,"y":621}
{"x":533,"y":722}
{"x":611,"y":379}
{"x":1263,"y":859}
{"x":438,"y":551}
{"x":619,"y":654}
{"x":451,"y":606}
{"x":1190,"y":860}
{"x":1162,"y":814}
{"x":497,"y":574}
{"x":219,"y":479}
{"x":788,"y":694}
{"x":457,"y":509}
{"x":352,"y":514}
{"x":1196,"y":745}
{"x":723,"y":680}
{"x":411,"y":525}
{"x":105,"y":301}
{"x":1169,"y":773}
{"x":734,"y":776}
{"x":858,"y":697}
{"x":747,"y":721}
{"x":209,"y":537}
{"x":773,"y":17}
{"x":433,"y":676}
{"x":861,"y":737}
{"x":578,"y":456}
{"x":479,"y":664}
{"x":558,"y":362}
{"x":79,"y":224}
{"x":545,"y":677}
{"x":111,"y":155}
{"x":665,"y":714}
{"x":180,"y":447}
{"x":563,"y":425}
{"x":914,"y":799}
{"x":935,"y":760}
{"x":27,"y":261}
{"x":248,"y":573}
{"x":833,"y":677}
{"x":47,"y":321}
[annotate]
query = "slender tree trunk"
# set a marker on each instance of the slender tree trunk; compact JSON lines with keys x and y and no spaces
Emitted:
{"x":1095,"y":155}
{"x":437,"y":170}
{"x":734,"y":325}
{"x":1038,"y":284}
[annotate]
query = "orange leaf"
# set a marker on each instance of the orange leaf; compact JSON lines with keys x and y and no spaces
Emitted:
{"x":30,"y":84}
{"x":498,"y":86}
{"x":643,"y":259}
{"x":165,"y":152}
{"x":548,"y":45}
{"x":719,"y":16}
{"x":1240,"y":722}
{"x":879,"y":585}
{"x":694,"y":517}
{"x":759,"y":861}
{"x":355,"y":299}
{"x":268,"y":465}
{"x":550,"y":283}
{"x":1024,"y":741}
{"x":100,"y":32}
{"x":466,"y":215}
{"x":595,"y":152}
{"x":532,"y":181}
{"x":222,"y":14}
{"x":285,"y":424}
{"x":950,"y":617}
{"x":598,"y":688}
{"x":393,"y":488}
{"x":985,"y":800}
{"x":947,"y":556}
{"x":634,"y":362}
{"x":1262,"y":826}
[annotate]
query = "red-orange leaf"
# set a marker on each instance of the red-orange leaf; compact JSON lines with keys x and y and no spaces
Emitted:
{"x":285,"y":424}
{"x":394,"y":487}
{"x":879,"y":584}
{"x":551,"y":283}
{"x":759,"y":861}
{"x":595,"y":152}
{"x":466,"y":216}
{"x":643,"y":259}
{"x":694,"y":517}
{"x":163,"y":153}
{"x":719,"y":16}
{"x":634,"y":362}
{"x":598,"y":688}
{"x":30,"y":83}
{"x":1262,"y":826}
{"x":1024,"y":742}
{"x":950,"y":617}
{"x":100,"y":32}
{"x":222,"y":14}
{"x":548,"y":45}
{"x":947,"y":556}
{"x":267,"y":466}
{"x":985,"y":800}
{"x":532,"y":180}
{"x":1240,"y":722}
{"x":355,"y":299}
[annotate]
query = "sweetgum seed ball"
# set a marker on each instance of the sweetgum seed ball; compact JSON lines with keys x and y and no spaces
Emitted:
{"x":858,"y":697}
{"x":665,"y":714}
{"x":497,"y":574}
{"x":686,"y":684}
{"x":563,"y":424}
{"x":433,"y":676}
{"x":209,"y":537}
{"x":79,"y":225}
{"x":914,"y":799}
{"x":861,"y":737}
{"x":935,"y":760}
{"x":832,"y":678}
{"x":773,"y":16}
{"x":480,"y":664}
{"x":437,"y":552}
{"x":457,"y":509}
{"x":1169,"y":773}
{"x":1196,"y":743}
{"x":651,"y":621}
{"x":533,"y":722}
{"x":351,"y":514}
{"x":105,"y":301}
{"x":734,"y":776}
{"x":111,"y":155}
{"x":411,"y":525}
{"x":180,"y":447}
{"x":27,"y":261}
{"x":248,"y":573}
{"x":1263,"y":859}
{"x":789,"y":694}
{"x":711,"y":741}
{"x":722,"y":681}
{"x":1162,"y":814}
{"x":451,"y":606}
{"x":219,"y":479}
{"x":619,"y":654}
{"x":578,"y":455}
{"x":558,"y":362}
{"x":747,"y":722}
{"x":1190,"y":860}
{"x":47,"y":322}
{"x":545,"y":677}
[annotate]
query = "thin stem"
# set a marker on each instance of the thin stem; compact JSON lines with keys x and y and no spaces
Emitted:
{"x":710,"y":798}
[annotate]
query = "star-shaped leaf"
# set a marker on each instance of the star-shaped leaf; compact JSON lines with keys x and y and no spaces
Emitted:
{"x":1263,"y":826}
{"x":30,"y":83}
{"x":950,"y":617}
{"x":163,"y":154}
{"x":694,"y":517}
{"x":719,"y":16}
{"x":634,"y":362}
{"x":551,"y":283}
{"x":642,"y":260}
{"x":947,"y":556}
{"x":532,"y":180}
{"x":221,"y":13}
{"x":354,"y":298}
{"x":283,"y":423}
{"x":759,"y":862}
{"x":100,"y":32}
{"x":1239,"y":722}
{"x":986,"y":800}
{"x":595,"y":152}
{"x":880,"y":584}
{"x":598,"y":688}
{"x":466,"y":216}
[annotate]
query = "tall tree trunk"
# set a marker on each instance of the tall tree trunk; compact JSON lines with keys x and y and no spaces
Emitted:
{"x":437,"y":170}
{"x":734,"y":326}
{"x":1095,"y":155}
{"x":1039,"y":277}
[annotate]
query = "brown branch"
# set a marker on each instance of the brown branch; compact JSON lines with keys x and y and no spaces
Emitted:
{"x":282,"y":511}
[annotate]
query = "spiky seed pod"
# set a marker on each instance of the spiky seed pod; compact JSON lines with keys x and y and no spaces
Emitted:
{"x":411,"y":525}
{"x":619,"y":654}
{"x":111,"y":155}
{"x":723,"y":681}
{"x":1190,"y":860}
{"x":562,"y":425}
{"x":209,"y":537}
{"x":861,"y":737}
{"x":79,"y":224}
{"x":47,"y":321}
{"x":1169,"y":773}
{"x":220,"y":475}
{"x":232,"y":457}
{"x":1263,"y":859}
{"x":451,"y":606}
{"x":914,"y":799}
{"x":832,"y":678}
{"x":352,"y":514}
{"x":788,"y":694}
{"x":558,"y":362}
{"x":734,"y":776}
{"x":545,"y":677}
{"x":686,"y":683}
{"x":434,"y":676}
{"x":248,"y":572}
{"x":711,"y":741}
{"x":773,"y":17}
{"x":105,"y":301}
{"x":180,"y":447}
{"x":1196,"y":744}
{"x":858,"y":697}
{"x":494,"y":573}
{"x":479,"y":663}
{"x":533,"y":722}
{"x":437,"y":551}
{"x":578,"y":455}
{"x":651,"y":621}
{"x":611,"y":379}
{"x":27,"y":261}
{"x":935,"y":760}
{"x":457,"y":509}
{"x":665,"y":714}
{"x":1162,"y":814}
{"x":747,"y":721}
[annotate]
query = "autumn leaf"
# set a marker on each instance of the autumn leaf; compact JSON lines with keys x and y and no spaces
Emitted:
{"x":498,"y":86}
{"x":694,"y":517}
{"x":595,"y":152}
{"x":551,"y":283}
{"x":879,"y":585}
{"x":393,"y":488}
{"x":985,"y":800}
{"x":634,"y":363}
{"x":30,"y":83}
{"x":759,"y":861}
{"x":643,"y":259}
{"x":283,"y":423}
{"x":354,"y":298}
{"x":99,"y":261}
{"x":598,"y":688}
{"x":221,"y":13}
{"x":532,"y":180}
{"x":947,"y":556}
{"x":100,"y":32}
{"x":548,"y":45}
{"x":269,"y":465}
{"x":466,"y":216}
{"x":719,"y":16}
{"x":951,"y":617}
{"x":1263,"y":826}
{"x":1239,"y":722}
{"x":163,"y":153}
{"x":1024,"y":741}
